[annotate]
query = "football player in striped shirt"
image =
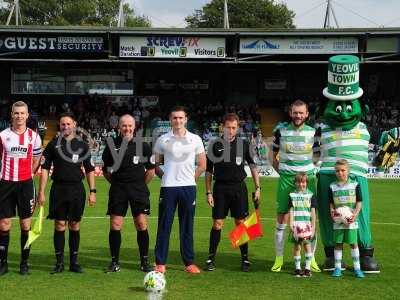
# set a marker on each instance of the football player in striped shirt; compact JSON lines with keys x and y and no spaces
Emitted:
{"x":20,"y":150}
{"x":293,"y":151}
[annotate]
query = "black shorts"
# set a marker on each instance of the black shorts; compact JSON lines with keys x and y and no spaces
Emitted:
{"x":17,"y":195}
{"x":230,"y":197}
{"x":67,"y":201}
{"x":123,"y":194}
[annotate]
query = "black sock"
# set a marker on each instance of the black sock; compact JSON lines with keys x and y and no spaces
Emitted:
{"x":59,"y":244}
{"x":4,"y":241}
{"x":244,"y":249}
{"x":114,"y":240}
{"x":143,"y":243}
{"x":24,"y":252}
{"x":74,"y":239}
{"x":215,"y":237}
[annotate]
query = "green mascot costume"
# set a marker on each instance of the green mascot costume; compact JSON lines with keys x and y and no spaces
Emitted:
{"x":344,"y":136}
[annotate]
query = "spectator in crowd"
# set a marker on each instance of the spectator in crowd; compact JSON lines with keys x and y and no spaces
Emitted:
{"x":248,"y":125}
{"x":93,"y":123}
{"x":113,"y":120}
{"x":207,"y":135}
{"x":41,"y":127}
{"x":65,"y":107}
{"x":52,"y":110}
{"x":137,"y":114}
{"x":145,"y":119}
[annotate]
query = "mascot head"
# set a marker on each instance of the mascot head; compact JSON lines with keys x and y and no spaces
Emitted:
{"x":343,"y":109}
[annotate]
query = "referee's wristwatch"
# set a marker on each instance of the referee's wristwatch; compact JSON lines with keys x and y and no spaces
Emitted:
{"x":93,"y":191}
{"x":208,"y":193}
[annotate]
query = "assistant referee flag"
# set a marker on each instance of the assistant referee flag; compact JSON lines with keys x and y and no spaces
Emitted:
{"x":36,"y":230}
{"x":249,"y":230}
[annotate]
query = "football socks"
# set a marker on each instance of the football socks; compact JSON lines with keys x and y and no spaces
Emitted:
{"x":114,"y":239}
{"x":338,"y":259}
{"x":59,"y":244}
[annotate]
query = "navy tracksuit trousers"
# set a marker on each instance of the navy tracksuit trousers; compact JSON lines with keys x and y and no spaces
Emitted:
{"x":185,"y":198}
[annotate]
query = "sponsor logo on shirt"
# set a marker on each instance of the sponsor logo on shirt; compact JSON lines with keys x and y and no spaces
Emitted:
{"x":20,"y":151}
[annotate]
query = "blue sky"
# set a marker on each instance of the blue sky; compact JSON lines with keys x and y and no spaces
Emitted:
{"x":309,"y":13}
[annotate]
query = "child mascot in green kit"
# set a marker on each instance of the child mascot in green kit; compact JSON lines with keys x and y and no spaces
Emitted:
{"x":344,"y":136}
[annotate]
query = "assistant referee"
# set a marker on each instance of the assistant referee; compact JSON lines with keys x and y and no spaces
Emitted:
{"x":67,"y":154}
{"x":225,"y":161}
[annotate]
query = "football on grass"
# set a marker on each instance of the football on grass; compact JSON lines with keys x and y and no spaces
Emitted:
{"x":154,"y":282}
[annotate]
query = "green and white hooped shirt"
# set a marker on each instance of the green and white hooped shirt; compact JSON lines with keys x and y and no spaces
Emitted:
{"x":351,"y":145}
{"x":295,"y":146}
{"x":301,"y":204}
{"x":345,"y":195}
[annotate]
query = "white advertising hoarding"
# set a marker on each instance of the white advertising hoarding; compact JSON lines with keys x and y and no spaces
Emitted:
{"x":171,"y":47}
{"x":298,"y":45}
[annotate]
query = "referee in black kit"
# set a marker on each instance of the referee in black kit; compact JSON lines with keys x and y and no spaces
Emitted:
{"x":129,"y":167}
{"x":67,"y":154}
{"x":225,"y":161}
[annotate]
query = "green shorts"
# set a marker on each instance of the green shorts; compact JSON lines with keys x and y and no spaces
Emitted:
{"x":348,"y":236}
{"x":285,"y":187}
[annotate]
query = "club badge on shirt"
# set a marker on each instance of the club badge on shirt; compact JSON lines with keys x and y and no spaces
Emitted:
{"x":135,"y":159}
{"x":238,"y":160}
{"x":75,"y":158}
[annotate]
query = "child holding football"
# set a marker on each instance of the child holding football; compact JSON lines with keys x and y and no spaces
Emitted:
{"x":302,"y":204}
{"x":345,"y":195}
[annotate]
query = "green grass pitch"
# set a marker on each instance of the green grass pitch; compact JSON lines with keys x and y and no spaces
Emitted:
{"x":227,"y":281}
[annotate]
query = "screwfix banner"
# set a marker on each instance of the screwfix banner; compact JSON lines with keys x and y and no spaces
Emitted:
{"x":171,"y":47}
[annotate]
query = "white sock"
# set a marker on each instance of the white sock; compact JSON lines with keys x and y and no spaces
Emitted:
{"x":355,"y":255}
{"x":308,"y":260}
{"x":297,"y":262}
{"x":338,"y":259}
{"x":279,"y":239}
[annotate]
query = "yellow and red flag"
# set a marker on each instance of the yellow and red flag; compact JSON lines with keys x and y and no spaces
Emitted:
{"x":249,"y":230}
{"x":36,"y":230}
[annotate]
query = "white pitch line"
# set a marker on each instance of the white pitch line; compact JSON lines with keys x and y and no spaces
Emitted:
{"x":380,"y":223}
{"x":209,"y":218}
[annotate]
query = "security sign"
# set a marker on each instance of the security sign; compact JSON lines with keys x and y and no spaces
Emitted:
{"x":51,"y":44}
